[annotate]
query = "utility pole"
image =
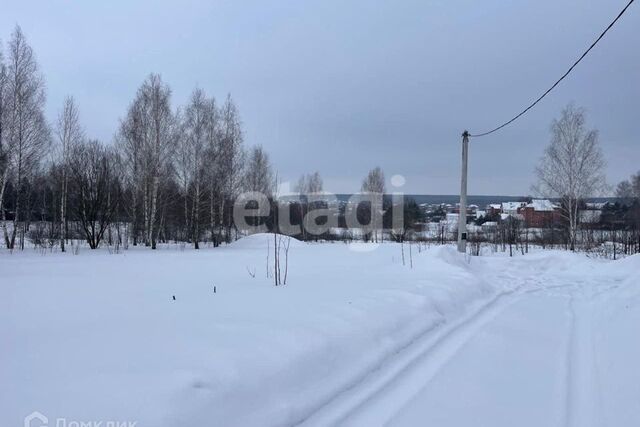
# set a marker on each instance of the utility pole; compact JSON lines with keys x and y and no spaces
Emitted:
{"x":462,"y":217}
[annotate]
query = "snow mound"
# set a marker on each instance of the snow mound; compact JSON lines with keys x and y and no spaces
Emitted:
{"x":264,"y":240}
{"x":450,"y":255}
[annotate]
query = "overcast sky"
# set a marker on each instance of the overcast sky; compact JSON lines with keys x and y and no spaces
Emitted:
{"x":343,"y":86}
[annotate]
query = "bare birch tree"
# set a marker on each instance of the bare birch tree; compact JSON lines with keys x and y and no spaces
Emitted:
{"x":259,"y":174}
{"x":572,"y":167}
{"x":231,"y":157}
{"x":374,"y":185}
{"x":310,"y":184}
{"x":624,"y":191}
{"x":193,"y":145}
{"x":157,"y":131}
{"x":70,"y":134}
{"x":129,"y":141}
{"x":211,"y":156}
{"x":26,"y":127}
{"x":183,"y":160}
{"x":4,"y":168}
{"x":374,"y":181}
{"x":629,"y":188}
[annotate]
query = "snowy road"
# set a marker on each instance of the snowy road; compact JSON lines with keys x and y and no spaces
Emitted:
{"x":356,"y":338}
{"x":555,"y":350}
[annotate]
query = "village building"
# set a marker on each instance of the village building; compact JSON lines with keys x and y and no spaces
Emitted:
{"x":494,"y":209}
{"x":591,"y":213}
{"x":540,"y":213}
{"x":511,"y":208}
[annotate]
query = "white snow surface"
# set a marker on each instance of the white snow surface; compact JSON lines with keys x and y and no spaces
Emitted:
{"x":353,"y":338}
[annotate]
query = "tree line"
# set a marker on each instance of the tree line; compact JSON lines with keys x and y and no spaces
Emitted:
{"x":172,"y":173}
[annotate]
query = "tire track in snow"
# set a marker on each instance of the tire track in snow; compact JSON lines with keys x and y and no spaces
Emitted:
{"x":569,"y":403}
{"x":377,"y":396}
{"x":583,"y":399}
{"x":422,"y":358}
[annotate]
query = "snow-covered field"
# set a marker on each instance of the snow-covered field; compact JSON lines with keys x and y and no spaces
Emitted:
{"x":354,"y":338}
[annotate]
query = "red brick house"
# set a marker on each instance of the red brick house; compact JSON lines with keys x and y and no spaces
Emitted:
{"x":494,"y":210}
{"x":540,"y":213}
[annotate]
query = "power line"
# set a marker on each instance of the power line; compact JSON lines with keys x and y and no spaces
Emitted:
{"x":560,"y":79}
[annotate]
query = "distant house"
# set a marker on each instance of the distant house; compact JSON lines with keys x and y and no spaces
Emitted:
{"x":591,"y":214}
{"x":494,"y":209}
{"x":515,"y":216}
{"x":471,"y":209}
{"x":511,"y":208}
{"x":489,"y":227}
{"x":452,"y":218}
{"x":540,"y":213}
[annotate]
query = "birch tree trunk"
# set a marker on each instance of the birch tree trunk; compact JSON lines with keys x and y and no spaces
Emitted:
{"x":70,"y":134}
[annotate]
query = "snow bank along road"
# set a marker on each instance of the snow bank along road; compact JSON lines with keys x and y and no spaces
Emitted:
{"x":354,"y":338}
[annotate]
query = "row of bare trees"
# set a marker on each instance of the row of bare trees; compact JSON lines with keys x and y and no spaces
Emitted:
{"x":171,"y":173}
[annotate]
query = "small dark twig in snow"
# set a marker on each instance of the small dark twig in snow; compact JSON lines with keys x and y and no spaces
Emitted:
{"x":251,"y":273}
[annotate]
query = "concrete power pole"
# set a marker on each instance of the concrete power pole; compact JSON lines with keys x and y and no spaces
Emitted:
{"x":462,"y":217}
